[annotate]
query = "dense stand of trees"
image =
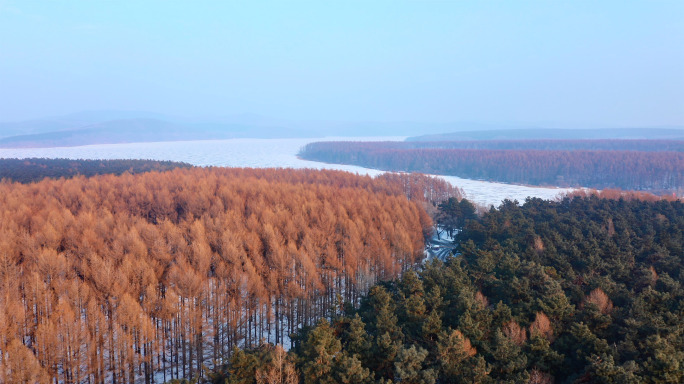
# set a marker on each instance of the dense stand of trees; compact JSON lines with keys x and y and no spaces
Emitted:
{"x":117,"y":279}
{"x":583,"y":290}
{"x":36,"y":169}
{"x":635,"y":170}
{"x":531,"y":133}
{"x":617,"y":194}
{"x":545,"y":144}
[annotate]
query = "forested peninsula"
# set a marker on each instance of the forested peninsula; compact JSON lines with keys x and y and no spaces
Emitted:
{"x":651,"y":165}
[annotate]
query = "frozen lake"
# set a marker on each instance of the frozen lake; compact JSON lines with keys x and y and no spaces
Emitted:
{"x":265,"y":153}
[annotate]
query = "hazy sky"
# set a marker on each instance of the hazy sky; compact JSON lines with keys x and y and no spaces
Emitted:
{"x":617,"y":63}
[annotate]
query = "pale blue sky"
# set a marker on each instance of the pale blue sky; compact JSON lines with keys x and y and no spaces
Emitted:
{"x":612,"y":63}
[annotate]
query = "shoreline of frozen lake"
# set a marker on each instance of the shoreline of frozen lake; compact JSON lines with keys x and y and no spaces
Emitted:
{"x":268,"y":153}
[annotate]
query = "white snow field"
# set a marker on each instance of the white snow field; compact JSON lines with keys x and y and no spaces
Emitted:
{"x":266,"y":153}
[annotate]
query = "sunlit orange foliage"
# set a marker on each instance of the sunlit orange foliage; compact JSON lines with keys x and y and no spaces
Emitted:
{"x":539,"y":377}
{"x":280,"y":370}
{"x":654,"y":274}
{"x":541,"y":326}
{"x":599,"y":298}
{"x":538,"y":244}
{"x":116,"y":278}
{"x":420,"y":187}
{"x":454,"y":347}
{"x":515,"y":332}
{"x":482,"y":300}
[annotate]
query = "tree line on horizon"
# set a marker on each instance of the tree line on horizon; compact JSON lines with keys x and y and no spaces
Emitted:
{"x":641,"y":145}
{"x":30,"y":170}
{"x":574,"y":163}
{"x":120,"y":279}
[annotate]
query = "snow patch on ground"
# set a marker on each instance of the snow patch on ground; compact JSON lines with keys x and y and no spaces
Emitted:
{"x":440,"y":245}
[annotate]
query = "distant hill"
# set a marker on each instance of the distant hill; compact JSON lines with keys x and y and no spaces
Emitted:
{"x":111,"y":127}
{"x":557,"y":134}
{"x":73,"y":121}
{"x":144,"y":130}
{"x":89,"y":127}
{"x":37,"y":126}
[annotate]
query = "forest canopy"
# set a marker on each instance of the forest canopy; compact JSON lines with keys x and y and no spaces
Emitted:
{"x":118,"y":278}
{"x":583,"y":290}
{"x":656,"y":165}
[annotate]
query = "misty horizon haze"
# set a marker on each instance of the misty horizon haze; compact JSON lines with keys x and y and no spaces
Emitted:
{"x":567,"y":65}
{"x":102,"y":127}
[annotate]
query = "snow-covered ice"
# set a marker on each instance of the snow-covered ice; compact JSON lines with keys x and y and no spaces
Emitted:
{"x":264,"y":153}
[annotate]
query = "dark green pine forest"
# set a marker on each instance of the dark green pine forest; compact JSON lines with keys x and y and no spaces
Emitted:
{"x":582,"y":290}
{"x":36,"y":169}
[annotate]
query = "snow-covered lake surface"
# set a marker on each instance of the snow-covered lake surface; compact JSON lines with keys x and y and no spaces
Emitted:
{"x":265,"y":153}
